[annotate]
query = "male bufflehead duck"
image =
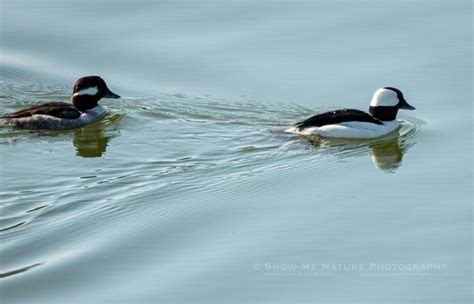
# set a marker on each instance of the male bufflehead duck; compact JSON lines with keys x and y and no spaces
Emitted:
{"x":60,"y":115}
{"x":349,"y":123}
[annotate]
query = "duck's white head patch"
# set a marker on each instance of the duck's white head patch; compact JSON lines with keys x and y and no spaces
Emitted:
{"x":89,"y":91}
{"x":385,"y":98}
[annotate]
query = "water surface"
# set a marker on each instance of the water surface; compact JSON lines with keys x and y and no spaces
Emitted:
{"x":188,"y":191}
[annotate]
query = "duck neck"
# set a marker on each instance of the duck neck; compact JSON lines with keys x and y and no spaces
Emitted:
{"x":384,"y":113}
{"x":85,"y":102}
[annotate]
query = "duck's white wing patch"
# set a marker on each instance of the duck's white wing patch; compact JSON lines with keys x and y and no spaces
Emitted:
{"x":88,"y":91}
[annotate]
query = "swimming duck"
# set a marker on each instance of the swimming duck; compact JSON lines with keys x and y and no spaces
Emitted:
{"x":84,"y":109}
{"x":350,"y":123}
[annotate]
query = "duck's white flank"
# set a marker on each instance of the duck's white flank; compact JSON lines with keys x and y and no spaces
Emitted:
{"x":351,"y":129}
{"x":41,"y":121}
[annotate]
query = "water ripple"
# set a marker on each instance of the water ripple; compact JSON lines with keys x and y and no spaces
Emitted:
{"x":149,"y":150}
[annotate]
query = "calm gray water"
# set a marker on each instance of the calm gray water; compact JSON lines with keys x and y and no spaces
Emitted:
{"x":187,"y":191}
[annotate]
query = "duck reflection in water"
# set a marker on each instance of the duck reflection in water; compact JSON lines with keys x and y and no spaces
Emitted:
{"x":90,"y":141}
{"x":386,"y":152}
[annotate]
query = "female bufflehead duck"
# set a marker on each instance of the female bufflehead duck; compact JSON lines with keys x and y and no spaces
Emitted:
{"x":349,"y":123}
{"x":60,"y":115}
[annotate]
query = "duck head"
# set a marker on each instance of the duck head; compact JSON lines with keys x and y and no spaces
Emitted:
{"x":386,"y":102}
{"x":88,"y":91}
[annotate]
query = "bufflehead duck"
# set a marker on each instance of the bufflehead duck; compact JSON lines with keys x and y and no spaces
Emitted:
{"x":350,"y":123}
{"x":84,"y":109}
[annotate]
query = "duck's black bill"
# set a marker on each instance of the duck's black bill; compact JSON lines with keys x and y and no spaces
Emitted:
{"x":404,"y":105}
{"x":110,"y":94}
